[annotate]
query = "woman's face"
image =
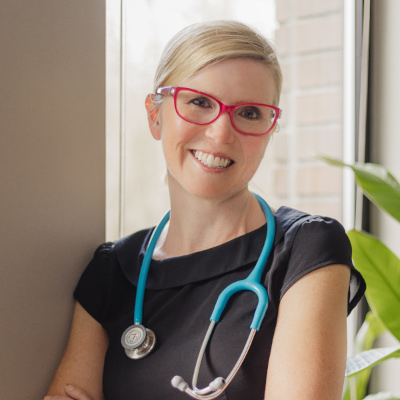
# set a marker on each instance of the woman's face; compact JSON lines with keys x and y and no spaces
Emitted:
{"x":232,"y":82}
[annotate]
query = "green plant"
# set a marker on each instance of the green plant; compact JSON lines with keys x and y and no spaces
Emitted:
{"x":380,"y":268}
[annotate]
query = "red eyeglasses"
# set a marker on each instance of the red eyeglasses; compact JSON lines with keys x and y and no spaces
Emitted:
{"x":202,"y":109}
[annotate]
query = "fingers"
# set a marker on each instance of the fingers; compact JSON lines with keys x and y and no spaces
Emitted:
{"x":56,"y":398}
{"x":76,"y":393}
{"x":71,"y":392}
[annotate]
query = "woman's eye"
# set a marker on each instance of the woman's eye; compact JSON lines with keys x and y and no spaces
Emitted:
{"x":202,"y":102}
{"x":251,"y":113}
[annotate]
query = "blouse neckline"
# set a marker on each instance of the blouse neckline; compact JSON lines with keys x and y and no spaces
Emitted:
{"x":207,"y":264}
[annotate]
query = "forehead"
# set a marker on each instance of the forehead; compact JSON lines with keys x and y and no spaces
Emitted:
{"x":235,"y":80}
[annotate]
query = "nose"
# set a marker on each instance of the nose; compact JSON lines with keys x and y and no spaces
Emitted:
{"x":221,"y":130}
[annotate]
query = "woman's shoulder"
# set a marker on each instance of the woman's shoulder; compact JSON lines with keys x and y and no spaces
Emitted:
{"x":291,"y":223}
{"x":111,"y":257}
{"x":309,"y":241}
{"x":132,"y":244}
{"x":134,"y":239}
{"x":107,"y":273}
{"x":305,"y":243}
{"x":123,"y":247}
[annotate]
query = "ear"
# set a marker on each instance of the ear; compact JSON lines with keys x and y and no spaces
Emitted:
{"x":152,"y":116}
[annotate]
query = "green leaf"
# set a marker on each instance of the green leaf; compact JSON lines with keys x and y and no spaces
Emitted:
{"x":382,"y":396}
{"x":377,"y":183}
{"x":371,"y":328}
{"x":356,"y":386}
{"x":381,"y":271}
{"x":370,"y":358}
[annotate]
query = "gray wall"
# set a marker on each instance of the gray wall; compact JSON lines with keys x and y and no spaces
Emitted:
{"x":52,"y":155}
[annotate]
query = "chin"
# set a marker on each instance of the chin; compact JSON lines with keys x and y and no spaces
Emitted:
{"x":211,"y":192}
{"x":202,"y":188}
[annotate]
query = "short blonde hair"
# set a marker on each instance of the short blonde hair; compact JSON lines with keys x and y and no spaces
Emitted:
{"x":203,"y":44}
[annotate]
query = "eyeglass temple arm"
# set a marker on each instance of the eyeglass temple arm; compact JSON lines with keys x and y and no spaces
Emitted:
{"x":165,"y":90}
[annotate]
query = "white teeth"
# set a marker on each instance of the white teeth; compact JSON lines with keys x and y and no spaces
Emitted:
{"x":211,"y":161}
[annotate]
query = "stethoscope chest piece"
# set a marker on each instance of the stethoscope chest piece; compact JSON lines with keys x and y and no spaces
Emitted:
{"x":138,"y":341}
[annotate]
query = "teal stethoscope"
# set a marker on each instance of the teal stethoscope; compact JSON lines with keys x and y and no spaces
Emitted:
{"x":139,"y":341}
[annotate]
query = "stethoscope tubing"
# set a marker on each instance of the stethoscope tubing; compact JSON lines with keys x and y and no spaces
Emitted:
{"x":138,"y":315}
{"x":207,"y":392}
{"x":253,"y":281}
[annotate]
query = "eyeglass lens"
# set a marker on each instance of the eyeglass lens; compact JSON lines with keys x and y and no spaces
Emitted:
{"x":201,"y":109}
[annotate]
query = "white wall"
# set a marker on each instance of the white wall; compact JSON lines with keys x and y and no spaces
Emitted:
{"x":385,"y":131}
{"x":52,"y":139}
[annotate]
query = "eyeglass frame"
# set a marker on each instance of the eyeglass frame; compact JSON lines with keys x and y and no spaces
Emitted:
{"x":174,"y":90}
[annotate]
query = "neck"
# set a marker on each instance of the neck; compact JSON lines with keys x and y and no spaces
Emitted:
{"x":198,"y":224}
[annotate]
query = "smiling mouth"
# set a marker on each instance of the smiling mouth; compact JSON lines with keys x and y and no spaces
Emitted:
{"x":212,"y":161}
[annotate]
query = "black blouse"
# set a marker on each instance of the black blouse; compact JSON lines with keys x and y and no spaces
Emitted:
{"x":180,"y":296}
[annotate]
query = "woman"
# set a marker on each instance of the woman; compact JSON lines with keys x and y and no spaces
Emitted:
{"x":215,"y":235}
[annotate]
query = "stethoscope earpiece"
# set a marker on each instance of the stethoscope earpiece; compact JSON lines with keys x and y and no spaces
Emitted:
{"x":138,"y":341}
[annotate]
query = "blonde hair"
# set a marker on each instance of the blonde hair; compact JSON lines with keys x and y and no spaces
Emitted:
{"x":203,"y":44}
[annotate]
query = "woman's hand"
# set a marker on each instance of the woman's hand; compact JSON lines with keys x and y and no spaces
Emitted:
{"x":71,"y":393}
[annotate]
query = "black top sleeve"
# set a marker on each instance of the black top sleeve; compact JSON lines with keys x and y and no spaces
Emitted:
{"x":319,"y":242}
{"x":91,"y":291}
